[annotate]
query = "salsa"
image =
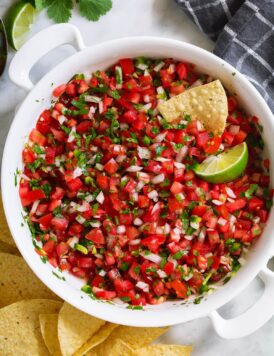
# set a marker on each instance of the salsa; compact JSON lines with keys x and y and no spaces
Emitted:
{"x":110,"y":192}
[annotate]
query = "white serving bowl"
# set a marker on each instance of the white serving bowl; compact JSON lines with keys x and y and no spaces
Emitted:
{"x":101,"y":57}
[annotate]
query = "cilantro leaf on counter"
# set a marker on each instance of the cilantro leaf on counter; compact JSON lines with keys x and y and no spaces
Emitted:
{"x":59,"y":11}
{"x":94,"y":9}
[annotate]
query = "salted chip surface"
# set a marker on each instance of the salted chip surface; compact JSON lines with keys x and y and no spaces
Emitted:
{"x":48,"y":326}
{"x":20,"y":332}
{"x":5,"y":235}
{"x":75,"y":328}
{"x":96,"y":339}
{"x":164,"y":350}
{"x":132,"y":336}
{"x":118,"y":348}
{"x":17,"y":281}
{"x":206,"y":103}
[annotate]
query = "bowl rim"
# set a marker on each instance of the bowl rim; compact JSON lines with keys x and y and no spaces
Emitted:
{"x":69,"y":294}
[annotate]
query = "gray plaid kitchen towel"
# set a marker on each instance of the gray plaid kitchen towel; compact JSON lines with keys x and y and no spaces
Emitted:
{"x":244,"y":35}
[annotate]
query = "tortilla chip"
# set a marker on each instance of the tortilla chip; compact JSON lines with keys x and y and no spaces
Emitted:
{"x":96,"y":339}
{"x":48,"y":326}
{"x":17,"y":281}
{"x":5,"y":235}
{"x":133,"y":336}
{"x":206,"y":103}
{"x":164,"y":350}
{"x":20,"y":328}
{"x":118,"y":348}
{"x":9,"y":249}
{"x":75,"y":328}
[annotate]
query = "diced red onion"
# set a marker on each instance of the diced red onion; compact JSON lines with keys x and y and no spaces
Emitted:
{"x":160,"y":138}
{"x":161,"y":274}
{"x":133,"y":169}
{"x":197,"y":83}
{"x":167,"y":228}
{"x":230,"y":192}
{"x":153,"y":194}
{"x":188,"y":277}
{"x":72,"y":133}
{"x":137,"y":222}
{"x":146,"y":98}
{"x":189,"y":237}
{"x":152,"y":257}
{"x":142,"y":285}
{"x":159,"y":66}
{"x":24,"y":177}
{"x":234,"y":129}
{"x":120,"y":158}
{"x":99,"y":166}
{"x":146,"y":107}
{"x":143,"y":153}
{"x":230,"y":200}
{"x":89,"y":198}
{"x":92,"y":99}
{"x":144,"y":177}
{"x":134,"y":242}
{"x":156,"y":207}
{"x":95,"y":224}
{"x":121,"y":229}
{"x":34,"y":207}
{"x":181,"y":154}
{"x":77,"y":172}
{"x":101,"y":107}
{"x":80,"y":219}
{"x":100,"y":198}
{"x":160,"y":90}
{"x":158,"y":179}
{"x":202,"y":234}
{"x":102,"y":273}
{"x":222,"y":221}
{"x":179,"y":165}
{"x":62,"y":119}
{"x":72,"y":241}
{"x":217,"y":202}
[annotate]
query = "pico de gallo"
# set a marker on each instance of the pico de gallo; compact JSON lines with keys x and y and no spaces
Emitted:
{"x":110,"y":193}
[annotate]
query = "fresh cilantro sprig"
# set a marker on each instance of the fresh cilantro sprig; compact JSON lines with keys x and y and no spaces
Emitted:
{"x":61,"y":10}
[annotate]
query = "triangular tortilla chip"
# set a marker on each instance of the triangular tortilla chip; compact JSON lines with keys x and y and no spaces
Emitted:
{"x":164,"y":350}
{"x":20,"y":327}
{"x":19,"y":282}
{"x":75,"y":328}
{"x":206,"y":103}
{"x":48,"y":326}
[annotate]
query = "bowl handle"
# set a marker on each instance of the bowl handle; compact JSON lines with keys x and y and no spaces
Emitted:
{"x":253,"y":318}
{"x":39,"y":45}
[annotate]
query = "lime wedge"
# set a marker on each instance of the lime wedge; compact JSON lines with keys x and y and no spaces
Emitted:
{"x":18,"y":22}
{"x":224,"y":167}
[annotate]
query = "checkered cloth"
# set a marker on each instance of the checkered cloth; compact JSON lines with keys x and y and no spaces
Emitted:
{"x":244,"y":35}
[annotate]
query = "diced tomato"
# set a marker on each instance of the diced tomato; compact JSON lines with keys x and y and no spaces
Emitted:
{"x":239,"y":137}
{"x":176,"y":188}
{"x":59,"y":223}
{"x":75,"y":184}
{"x":103,"y":182}
{"x":179,"y":287}
{"x":182,"y":70}
{"x":32,"y":196}
{"x":127,"y":66}
{"x":96,"y":235}
{"x":238,"y":204}
{"x":37,"y":137}
{"x":59,"y":90}
{"x":255,"y":204}
{"x":153,"y":242}
{"x":213,"y":145}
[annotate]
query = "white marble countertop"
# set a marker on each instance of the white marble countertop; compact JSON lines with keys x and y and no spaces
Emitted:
{"x":158,"y":18}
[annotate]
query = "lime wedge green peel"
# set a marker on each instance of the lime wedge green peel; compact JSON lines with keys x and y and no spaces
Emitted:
{"x":224,"y":167}
{"x":18,"y":21}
